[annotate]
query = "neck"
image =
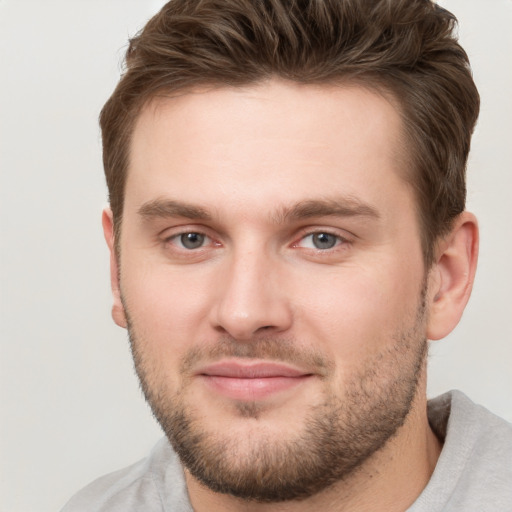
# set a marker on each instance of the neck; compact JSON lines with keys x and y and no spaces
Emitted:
{"x":389,"y":481}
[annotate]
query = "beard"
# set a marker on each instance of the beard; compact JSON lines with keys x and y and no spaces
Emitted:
{"x":338,"y":434}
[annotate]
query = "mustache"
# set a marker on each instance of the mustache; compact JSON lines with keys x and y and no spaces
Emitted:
{"x":283,"y":350}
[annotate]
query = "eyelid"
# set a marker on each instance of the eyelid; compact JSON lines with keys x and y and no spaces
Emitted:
{"x":169,"y":235}
{"x":337,"y":240}
{"x":177,"y":237}
{"x":180,"y":229}
{"x":344,"y":237}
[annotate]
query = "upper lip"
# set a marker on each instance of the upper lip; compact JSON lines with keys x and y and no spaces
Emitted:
{"x":250,"y":370}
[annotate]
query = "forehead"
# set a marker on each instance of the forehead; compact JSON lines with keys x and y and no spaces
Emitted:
{"x":274,"y":142}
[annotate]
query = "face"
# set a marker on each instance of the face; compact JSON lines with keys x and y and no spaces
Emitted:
{"x":272,"y":280}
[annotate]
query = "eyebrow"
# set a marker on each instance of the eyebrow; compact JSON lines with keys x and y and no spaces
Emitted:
{"x":168,"y":208}
{"x":346,"y":206}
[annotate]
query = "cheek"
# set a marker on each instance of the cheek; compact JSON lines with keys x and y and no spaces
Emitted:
{"x":358,"y":312}
{"x":166,"y":307}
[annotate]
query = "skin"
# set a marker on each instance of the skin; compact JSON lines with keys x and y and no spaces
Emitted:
{"x":244,"y":161}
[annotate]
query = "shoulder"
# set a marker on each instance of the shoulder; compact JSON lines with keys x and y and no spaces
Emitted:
{"x":470,"y":429}
{"x":474,"y":470}
{"x":137,"y":487}
{"x":453,"y":413}
{"x":486,"y":443}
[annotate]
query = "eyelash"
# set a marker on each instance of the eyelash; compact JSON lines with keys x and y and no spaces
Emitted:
{"x":340,"y":241}
{"x":171,"y":239}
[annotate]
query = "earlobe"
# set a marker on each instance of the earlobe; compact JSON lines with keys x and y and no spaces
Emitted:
{"x":118,"y":313}
{"x":451,"y":278}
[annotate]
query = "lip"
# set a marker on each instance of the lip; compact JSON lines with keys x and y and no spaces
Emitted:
{"x":251,"y":381}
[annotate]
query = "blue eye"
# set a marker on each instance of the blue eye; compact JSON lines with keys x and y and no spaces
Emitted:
{"x":321,"y":241}
{"x":324,"y":240}
{"x":191,"y":240}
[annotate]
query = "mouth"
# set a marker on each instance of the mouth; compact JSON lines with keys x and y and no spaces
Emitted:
{"x":250,"y":381}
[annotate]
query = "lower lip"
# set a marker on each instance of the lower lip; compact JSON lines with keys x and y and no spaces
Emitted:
{"x":252,"y":389}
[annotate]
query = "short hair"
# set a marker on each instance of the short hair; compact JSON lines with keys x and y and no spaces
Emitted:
{"x":407,"y":49}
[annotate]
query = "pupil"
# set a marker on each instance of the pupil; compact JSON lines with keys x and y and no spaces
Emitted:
{"x":324,"y":240}
{"x":192,"y":240}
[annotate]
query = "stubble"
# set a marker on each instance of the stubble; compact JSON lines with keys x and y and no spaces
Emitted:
{"x":337,"y":436}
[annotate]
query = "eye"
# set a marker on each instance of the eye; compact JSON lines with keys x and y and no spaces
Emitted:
{"x":320,"y":241}
{"x":190,"y":240}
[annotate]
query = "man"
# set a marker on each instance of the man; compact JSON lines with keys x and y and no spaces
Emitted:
{"x":287,"y":230}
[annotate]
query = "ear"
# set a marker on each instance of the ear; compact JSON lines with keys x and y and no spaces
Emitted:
{"x":118,"y":313}
{"x":452,"y":276}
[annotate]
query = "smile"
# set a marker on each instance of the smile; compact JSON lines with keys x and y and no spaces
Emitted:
{"x":253,"y":381}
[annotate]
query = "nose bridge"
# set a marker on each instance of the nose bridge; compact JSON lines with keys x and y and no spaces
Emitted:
{"x":251,"y":298}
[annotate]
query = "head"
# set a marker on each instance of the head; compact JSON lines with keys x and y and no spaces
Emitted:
{"x":287,"y":190}
{"x":406,"y":50}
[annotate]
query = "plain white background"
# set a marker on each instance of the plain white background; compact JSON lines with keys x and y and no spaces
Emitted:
{"x":70,"y":405}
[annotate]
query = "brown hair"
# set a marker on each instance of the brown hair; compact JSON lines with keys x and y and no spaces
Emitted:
{"x":403,"y":47}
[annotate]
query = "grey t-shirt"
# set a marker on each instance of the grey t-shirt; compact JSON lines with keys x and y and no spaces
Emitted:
{"x":473,"y":473}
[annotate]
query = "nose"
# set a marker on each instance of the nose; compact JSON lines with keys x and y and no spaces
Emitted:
{"x":251,"y":298}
